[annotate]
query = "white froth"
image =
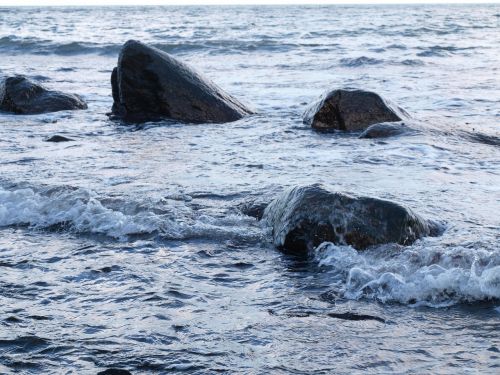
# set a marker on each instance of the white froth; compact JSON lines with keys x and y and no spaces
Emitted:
{"x":421,"y":275}
{"x":81,"y":211}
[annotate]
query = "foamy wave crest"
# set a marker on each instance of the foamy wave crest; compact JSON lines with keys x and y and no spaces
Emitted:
{"x":82,"y":211}
{"x":416,"y":275}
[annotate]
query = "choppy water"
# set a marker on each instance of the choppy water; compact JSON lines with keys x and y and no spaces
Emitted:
{"x":126,"y":248}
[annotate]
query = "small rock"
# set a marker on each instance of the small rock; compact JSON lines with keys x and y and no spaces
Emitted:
{"x":59,"y":138}
{"x":13,"y":319}
{"x":20,"y":95}
{"x":355,"y":316}
{"x":114,"y":371}
{"x":351,"y":110}
{"x":253,"y":208}
{"x":385,"y":130}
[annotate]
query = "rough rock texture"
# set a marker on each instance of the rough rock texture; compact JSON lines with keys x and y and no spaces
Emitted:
{"x":304,"y":217}
{"x":149,"y":84}
{"x":350,"y":110}
{"x":20,"y":95}
{"x":385,"y":130}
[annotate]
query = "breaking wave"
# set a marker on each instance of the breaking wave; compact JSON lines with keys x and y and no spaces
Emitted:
{"x":81,"y":211}
{"x":419,"y":275}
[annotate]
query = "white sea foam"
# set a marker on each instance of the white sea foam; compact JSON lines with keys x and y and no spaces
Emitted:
{"x":423,"y":274}
{"x":82,"y":211}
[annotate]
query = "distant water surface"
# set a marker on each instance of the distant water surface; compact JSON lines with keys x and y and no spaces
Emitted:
{"x":126,"y":247}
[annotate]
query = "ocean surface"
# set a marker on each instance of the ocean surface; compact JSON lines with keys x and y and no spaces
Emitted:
{"x":127,"y":248}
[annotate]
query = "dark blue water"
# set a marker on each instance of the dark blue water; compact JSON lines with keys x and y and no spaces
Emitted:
{"x":126,"y":248}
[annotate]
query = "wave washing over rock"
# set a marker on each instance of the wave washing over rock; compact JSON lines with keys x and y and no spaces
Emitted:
{"x":424,"y":275}
{"x":137,"y":248}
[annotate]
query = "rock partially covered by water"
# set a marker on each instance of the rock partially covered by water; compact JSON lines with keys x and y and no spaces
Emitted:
{"x":385,"y":130}
{"x":20,"y":95}
{"x":253,"y":208}
{"x":59,"y":138}
{"x":149,"y":84}
{"x":114,"y":371}
{"x":304,"y":217}
{"x":350,"y":110}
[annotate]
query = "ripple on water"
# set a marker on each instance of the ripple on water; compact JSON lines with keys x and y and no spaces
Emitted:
{"x":139,"y":248}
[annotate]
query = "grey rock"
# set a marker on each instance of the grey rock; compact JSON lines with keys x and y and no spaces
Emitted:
{"x":20,"y":95}
{"x":149,"y":84}
{"x":350,"y":110}
{"x":385,"y":130}
{"x":304,"y":217}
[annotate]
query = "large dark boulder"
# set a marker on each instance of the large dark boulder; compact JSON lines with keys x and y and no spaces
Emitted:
{"x":350,"y":110}
{"x":149,"y":84}
{"x":20,"y":95}
{"x":304,"y":217}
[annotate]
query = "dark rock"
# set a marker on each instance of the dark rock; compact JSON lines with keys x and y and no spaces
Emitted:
{"x":20,"y":95}
{"x":350,"y":110}
{"x":304,"y":217}
{"x":13,"y":319}
{"x":483,"y":138}
{"x":114,"y":371}
{"x":385,"y":130}
{"x":59,"y":138}
{"x":114,"y":91}
{"x":149,"y":84}
{"x":39,"y":317}
{"x":355,"y":316}
{"x":254,"y":208}
{"x":345,"y":315}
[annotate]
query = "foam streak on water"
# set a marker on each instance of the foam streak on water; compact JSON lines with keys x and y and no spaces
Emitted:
{"x":127,"y":247}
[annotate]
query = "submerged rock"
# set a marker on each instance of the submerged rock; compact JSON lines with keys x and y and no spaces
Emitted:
{"x":483,"y":138}
{"x":253,"y":208}
{"x":149,"y":84}
{"x":350,"y":110}
{"x":20,"y":95}
{"x":304,"y":217}
{"x":58,"y":138}
{"x":385,"y":130}
{"x":114,"y":371}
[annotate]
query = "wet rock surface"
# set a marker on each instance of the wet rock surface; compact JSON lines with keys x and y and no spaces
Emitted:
{"x":304,"y":217}
{"x":253,"y":208}
{"x":350,"y":110}
{"x":386,"y":130}
{"x":114,"y":371}
{"x":149,"y":84}
{"x":21,"y":95}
